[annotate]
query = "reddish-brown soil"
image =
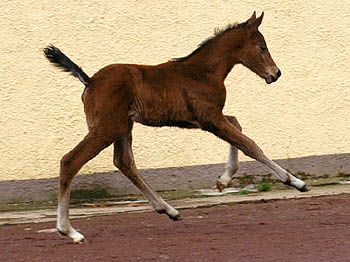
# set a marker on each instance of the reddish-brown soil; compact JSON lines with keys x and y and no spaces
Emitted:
{"x":315,"y":229}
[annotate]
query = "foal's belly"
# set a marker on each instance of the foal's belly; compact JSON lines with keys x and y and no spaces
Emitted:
{"x":164,"y":118}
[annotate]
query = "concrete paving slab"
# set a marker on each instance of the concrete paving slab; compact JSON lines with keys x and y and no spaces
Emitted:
{"x":39,"y":216}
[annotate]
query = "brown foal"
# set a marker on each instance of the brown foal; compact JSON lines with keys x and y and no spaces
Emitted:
{"x":186,"y":92}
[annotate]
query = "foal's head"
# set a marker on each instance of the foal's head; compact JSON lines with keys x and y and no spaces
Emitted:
{"x":255,"y":54}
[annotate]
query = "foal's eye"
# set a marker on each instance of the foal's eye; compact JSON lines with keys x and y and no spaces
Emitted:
{"x":263,"y":49}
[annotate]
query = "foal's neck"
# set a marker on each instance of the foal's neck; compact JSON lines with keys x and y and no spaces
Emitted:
{"x":221,"y":54}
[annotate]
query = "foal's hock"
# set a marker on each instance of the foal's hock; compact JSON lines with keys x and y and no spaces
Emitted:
{"x":187,"y":92}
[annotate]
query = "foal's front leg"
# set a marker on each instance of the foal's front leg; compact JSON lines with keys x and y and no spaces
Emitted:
{"x":221,"y":127}
{"x":124,"y":160}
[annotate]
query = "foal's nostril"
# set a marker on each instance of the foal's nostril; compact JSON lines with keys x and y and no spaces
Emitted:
{"x":279,"y":73}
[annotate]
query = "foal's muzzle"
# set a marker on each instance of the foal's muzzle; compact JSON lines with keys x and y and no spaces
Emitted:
{"x":273,"y":78}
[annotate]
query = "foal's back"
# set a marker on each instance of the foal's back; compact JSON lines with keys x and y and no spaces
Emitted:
{"x":168,"y":94}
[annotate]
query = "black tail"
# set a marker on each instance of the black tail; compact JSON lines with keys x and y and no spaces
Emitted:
{"x":60,"y":60}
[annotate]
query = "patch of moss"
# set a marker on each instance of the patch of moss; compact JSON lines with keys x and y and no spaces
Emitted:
{"x":302,"y":175}
{"x":80,"y":194}
{"x":178,"y":194}
{"x":264,"y":187}
{"x":246,"y":180}
{"x":244,"y":192}
{"x":26,"y":206}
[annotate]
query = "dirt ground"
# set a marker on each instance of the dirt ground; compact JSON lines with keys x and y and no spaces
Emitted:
{"x":313,"y":229}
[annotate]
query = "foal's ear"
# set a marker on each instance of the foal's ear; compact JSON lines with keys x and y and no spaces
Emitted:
{"x":254,"y":25}
{"x":252,"y":18}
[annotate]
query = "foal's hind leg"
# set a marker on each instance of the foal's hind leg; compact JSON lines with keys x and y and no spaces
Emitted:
{"x":87,"y":149}
{"x":232,"y":164}
{"x":124,"y":160}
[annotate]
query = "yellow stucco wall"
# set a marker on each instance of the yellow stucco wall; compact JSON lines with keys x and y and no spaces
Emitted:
{"x":307,"y":112}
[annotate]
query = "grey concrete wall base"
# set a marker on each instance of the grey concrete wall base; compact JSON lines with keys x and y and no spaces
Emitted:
{"x":174,"y":178}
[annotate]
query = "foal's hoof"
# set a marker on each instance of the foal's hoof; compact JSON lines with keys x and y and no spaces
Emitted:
{"x":175,"y":218}
{"x":79,"y":240}
{"x":75,"y":236}
{"x":220,"y":186}
{"x":305,"y":188}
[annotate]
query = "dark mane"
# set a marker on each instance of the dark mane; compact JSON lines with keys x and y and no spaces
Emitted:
{"x":217,"y":32}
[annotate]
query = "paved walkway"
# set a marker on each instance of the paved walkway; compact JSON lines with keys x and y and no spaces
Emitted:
{"x":12,"y":218}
